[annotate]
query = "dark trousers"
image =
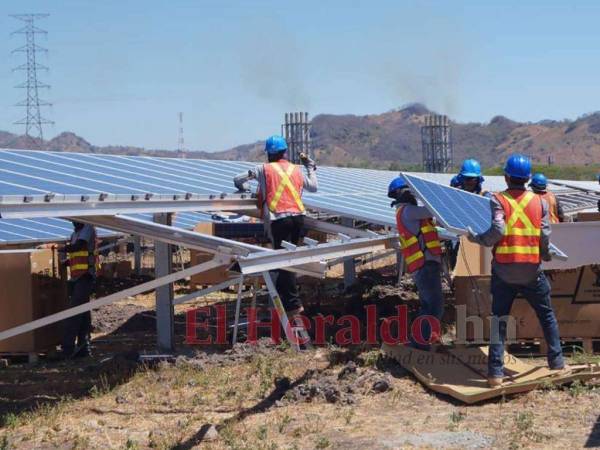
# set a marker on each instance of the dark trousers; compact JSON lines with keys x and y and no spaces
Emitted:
{"x":79,"y":326}
{"x":537,"y":294}
{"x":428,"y":280}
{"x":288,"y":229}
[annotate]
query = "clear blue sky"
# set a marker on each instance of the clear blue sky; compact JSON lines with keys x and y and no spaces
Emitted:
{"x":122,"y":70}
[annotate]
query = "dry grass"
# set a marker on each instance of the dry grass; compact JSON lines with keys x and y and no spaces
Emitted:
{"x":165,"y":407}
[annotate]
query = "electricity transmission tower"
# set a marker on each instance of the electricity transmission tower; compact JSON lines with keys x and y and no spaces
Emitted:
{"x":33,"y":120}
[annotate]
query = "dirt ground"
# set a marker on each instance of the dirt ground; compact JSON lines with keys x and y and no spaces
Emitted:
{"x":267,"y":396}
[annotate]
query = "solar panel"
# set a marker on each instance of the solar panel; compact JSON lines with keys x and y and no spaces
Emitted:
{"x":48,"y":229}
{"x":352,"y":192}
{"x":457,"y":210}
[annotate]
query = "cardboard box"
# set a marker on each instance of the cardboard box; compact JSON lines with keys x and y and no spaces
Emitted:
{"x":123,"y":269}
{"x":588,"y":217}
{"x":28,"y":293}
{"x":575,"y":299}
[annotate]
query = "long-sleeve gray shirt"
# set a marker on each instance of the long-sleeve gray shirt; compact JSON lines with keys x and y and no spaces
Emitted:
{"x":521,"y":273}
{"x":411,"y":218}
{"x":241,"y":182}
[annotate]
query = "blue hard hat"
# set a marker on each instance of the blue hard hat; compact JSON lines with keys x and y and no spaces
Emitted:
{"x":275,"y":144}
{"x":518,"y":166}
{"x":397,"y":183}
{"x":470,"y":168}
{"x":538,"y":181}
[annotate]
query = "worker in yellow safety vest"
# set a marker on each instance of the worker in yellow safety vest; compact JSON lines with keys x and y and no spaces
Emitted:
{"x":520,"y":237}
{"x":81,"y":252}
{"x":539,"y":185}
{"x":421,"y":250}
{"x":279,"y":199}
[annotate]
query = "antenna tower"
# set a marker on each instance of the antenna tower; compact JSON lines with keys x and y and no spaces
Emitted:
{"x":33,"y":120}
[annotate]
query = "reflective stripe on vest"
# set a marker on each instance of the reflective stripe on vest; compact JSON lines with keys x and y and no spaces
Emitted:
{"x":414,"y":255}
{"x":552,"y":206}
{"x":79,"y":262}
{"x":284,"y":183}
{"x":523,"y":228}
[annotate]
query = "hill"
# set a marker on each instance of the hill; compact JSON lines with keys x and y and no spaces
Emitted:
{"x":392,"y":140}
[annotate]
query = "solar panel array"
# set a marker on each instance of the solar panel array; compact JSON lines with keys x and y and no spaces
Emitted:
{"x":40,"y":230}
{"x":357,"y":193}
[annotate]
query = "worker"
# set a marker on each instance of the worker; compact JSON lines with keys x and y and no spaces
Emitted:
{"x":539,"y":185}
{"x":422,"y":250}
{"x":520,"y":237}
{"x":280,"y":187}
{"x":469,"y":178}
{"x":81,"y":259}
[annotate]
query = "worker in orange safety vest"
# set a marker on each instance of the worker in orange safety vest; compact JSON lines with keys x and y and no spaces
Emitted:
{"x":421,"y":250}
{"x":279,"y":200}
{"x":539,"y":185}
{"x":520,"y":237}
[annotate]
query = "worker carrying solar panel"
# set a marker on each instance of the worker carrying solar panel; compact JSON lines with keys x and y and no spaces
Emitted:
{"x":422,"y":250}
{"x":539,"y":185}
{"x":280,"y":187}
{"x":520,"y":237}
{"x":82,"y":254}
{"x":468,"y":179}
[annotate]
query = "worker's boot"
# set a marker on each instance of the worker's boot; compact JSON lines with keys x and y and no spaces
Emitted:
{"x":494,"y":381}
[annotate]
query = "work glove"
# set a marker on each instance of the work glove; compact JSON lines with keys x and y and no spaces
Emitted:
{"x":307,"y":161}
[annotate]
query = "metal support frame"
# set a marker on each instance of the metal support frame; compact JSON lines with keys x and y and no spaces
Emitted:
{"x":218,"y":260}
{"x":238,"y":305}
{"x":25,"y":207}
{"x":137,"y":255}
{"x":163,"y":265}
{"x":349,"y":264}
{"x":194,"y":240}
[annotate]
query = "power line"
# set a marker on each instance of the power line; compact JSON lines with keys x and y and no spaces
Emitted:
{"x":33,"y":119}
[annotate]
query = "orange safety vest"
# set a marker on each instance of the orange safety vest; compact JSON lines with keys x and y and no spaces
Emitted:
{"x":414,"y":255}
{"x":523,"y":228}
{"x":80,"y":262}
{"x":284,"y":182}
{"x":552,"y":206}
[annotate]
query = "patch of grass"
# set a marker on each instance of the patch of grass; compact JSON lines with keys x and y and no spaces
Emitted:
{"x":348,"y":415}
{"x":524,"y":421}
{"x":578,"y":388}
{"x":580,"y":356}
{"x":4,"y":444}
{"x":455,"y":419}
{"x":283,"y":423}
{"x":131,"y":445}
{"x":100,"y":389}
{"x":9,"y":420}
{"x":370,"y":358}
{"x":322,"y":442}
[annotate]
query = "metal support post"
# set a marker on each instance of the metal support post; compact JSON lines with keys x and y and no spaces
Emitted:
{"x":137,"y":255}
{"x":163,"y":265}
{"x":349,"y":264}
{"x":238,"y":305}
{"x":399,"y":265}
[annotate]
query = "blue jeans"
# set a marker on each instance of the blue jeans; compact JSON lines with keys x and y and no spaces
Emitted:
{"x":537,"y":294}
{"x":429,"y":284}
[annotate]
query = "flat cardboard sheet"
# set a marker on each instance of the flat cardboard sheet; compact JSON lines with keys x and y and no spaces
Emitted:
{"x":461,"y":372}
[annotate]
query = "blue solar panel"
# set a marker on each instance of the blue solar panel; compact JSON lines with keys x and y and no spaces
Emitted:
{"x":455,"y":210}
